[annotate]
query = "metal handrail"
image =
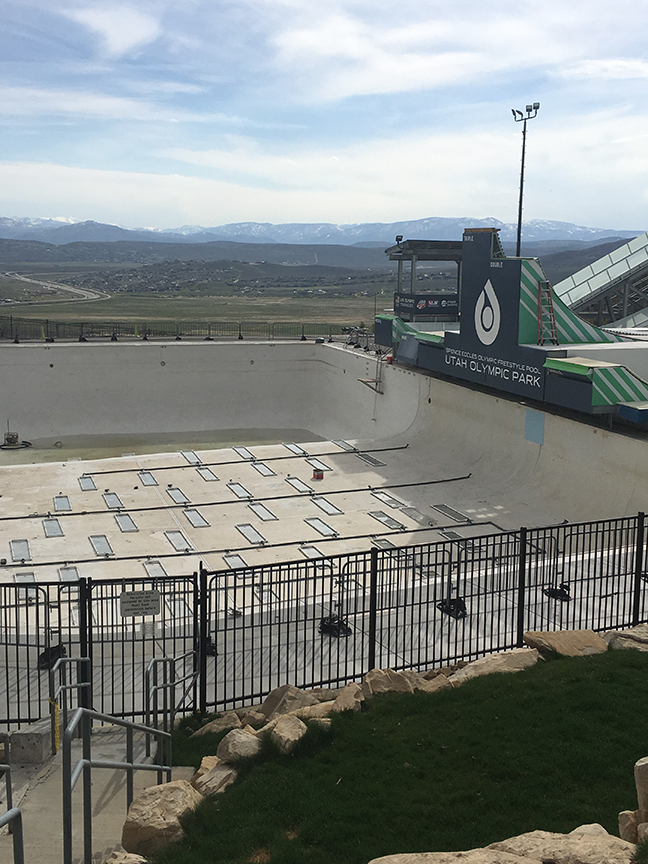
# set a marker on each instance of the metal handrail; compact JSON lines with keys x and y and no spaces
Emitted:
{"x":85,"y":717}
{"x":151,"y":691}
{"x":12,"y":816}
{"x":55,"y":692}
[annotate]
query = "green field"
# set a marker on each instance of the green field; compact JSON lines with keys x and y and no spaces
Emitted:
{"x":336,"y":310}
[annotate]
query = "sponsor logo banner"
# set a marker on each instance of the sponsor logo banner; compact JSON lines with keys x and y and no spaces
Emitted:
{"x":426,"y":304}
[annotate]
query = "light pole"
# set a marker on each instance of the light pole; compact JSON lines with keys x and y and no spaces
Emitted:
{"x":519,"y":117}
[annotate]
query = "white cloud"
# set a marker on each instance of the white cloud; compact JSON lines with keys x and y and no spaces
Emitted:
{"x":121,"y":28}
{"x":34,"y":102}
{"x":613,"y":67}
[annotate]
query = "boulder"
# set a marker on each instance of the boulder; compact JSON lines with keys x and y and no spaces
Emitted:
{"x":628,"y":826}
{"x":253,"y":718}
{"x":206,"y":764}
{"x":635,"y":638}
{"x":310,"y":712}
{"x":285,"y":699}
{"x":508,"y":661}
{"x":237,"y":745}
{"x":324,"y":694}
{"x":588,"y":844}
{"x":568,"y":643}
{"x":216,"y":780}
{"x":117,"y":857}
{"x":287,"y":731}
{"x":427,"y":685}
{"x":349,"y":698}
{"x":641,"y":782}
{"x":441,"y":682}
{"x":642,"y":832}
{"x":230,"y":720}
{"x":584,"y":845}
{"x":385,"y":681}
{"x":153,"y":819}
{"x":473,"y":856}
{"x":446,"y":670}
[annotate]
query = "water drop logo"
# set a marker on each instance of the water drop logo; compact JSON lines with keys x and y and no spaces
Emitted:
{"x":487,"y":315}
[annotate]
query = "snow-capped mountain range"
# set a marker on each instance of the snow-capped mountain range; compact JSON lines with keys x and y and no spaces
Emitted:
{"x":61,"y":230}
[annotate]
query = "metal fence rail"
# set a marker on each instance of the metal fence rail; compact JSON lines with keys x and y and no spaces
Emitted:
{"x":14,"y":328}
{"x":237,"y":634}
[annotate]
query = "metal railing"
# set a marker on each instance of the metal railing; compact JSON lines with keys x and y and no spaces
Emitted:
{"x":83,"y":718}
{"x":12,"y":816}
{"x":256,"y":628}
{"x":82,"y":687}
{"x":16,"y":328}
{"x":167,"y":687}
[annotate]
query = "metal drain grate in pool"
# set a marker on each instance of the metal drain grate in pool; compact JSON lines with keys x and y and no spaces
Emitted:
{"x":451,"y":512}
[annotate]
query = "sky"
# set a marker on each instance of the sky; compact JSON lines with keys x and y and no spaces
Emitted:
{"x":158,"y":114}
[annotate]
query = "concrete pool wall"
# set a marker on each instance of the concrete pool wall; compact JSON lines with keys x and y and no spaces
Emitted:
{"x":573,"y":470}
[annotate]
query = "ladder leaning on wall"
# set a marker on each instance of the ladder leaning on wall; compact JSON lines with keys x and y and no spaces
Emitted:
{"x":547,"y":331}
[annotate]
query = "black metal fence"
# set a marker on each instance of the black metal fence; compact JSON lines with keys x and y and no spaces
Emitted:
{"x":33,"y":329}
{"x":322,"y":622}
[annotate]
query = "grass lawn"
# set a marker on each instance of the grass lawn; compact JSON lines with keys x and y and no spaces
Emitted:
{"x":552,"y":748}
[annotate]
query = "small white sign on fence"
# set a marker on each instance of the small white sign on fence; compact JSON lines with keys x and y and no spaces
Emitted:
{"x":134,"y":603}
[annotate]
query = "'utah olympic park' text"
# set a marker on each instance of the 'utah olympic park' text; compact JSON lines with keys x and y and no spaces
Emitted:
{"x":509,"y":370}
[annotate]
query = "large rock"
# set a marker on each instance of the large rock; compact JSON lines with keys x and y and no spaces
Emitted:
{"x":230,"y":720}
{"x":641,"y":782}
{"x":287,"y":731}
{"x":426,"y":685}
{"x":153,"y":819}
{"x":206,"y":764}
{"x":237,"y":745}
{"x":216,"y":780}
{"x":324,"y":694}
{"x":473,"y":856}
{"x":635,"y":638}
{"x":310,"y":712}
{"x":589,"y":844}
{"x":117,"y":857}
{"x":350,"y":698}
{"x":385,"y":681}
{"x":285,"y":699}
{"x":568,"y":643}
{"x":628,"y":825}
{"x":253,"y":718}
{"x":508,"y":661}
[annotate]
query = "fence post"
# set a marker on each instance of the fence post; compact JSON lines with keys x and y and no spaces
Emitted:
{"x":638,"y":568}
{"x":202,"y":640}
{"x":373,"y":608}
{"x":521,"y":598}
{"x":85,"y":640}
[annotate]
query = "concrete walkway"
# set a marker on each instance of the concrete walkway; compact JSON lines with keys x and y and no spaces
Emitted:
{"x":37,"y":791}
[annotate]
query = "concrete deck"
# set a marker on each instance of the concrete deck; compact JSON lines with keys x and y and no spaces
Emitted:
{"x":37,"y":791}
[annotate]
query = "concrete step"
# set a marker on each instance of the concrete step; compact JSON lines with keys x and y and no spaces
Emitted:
{"x":37,"y":791}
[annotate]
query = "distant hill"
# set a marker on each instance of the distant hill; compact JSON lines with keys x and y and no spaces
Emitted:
{"x":61,"y":232}
{"x":557,"y":264}
{"x":16,"y":252}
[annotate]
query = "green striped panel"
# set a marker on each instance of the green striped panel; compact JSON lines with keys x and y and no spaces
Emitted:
{"x":571,"y":329}
{"x":611,"y":385}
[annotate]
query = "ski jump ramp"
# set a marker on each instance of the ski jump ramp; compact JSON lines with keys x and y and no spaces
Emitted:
{"x":621,"y":267}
